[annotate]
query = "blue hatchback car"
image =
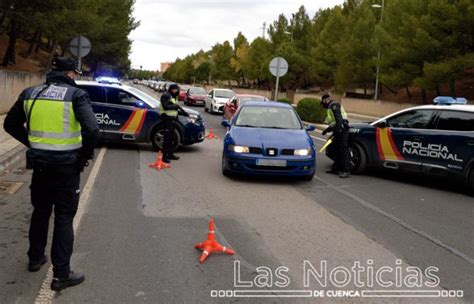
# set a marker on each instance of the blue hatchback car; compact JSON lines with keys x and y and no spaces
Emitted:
{"x":268,"y":138}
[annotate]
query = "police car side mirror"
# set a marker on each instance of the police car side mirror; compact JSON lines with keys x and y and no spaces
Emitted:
{"x":225,"y":123}
{"x":382,"y":124}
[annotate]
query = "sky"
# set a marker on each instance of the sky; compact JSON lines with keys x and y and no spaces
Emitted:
{"x":171,"y":29}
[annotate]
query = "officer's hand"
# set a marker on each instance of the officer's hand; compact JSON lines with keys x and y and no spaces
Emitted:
{"x":325,"y":131}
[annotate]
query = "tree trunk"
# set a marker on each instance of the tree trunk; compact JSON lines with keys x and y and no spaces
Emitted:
{"x":365,"y":89}
{"x":38,"y":44}
{"x":32,"y":44}
{"x":51,"y":54}
{"x":2,"y":19}
{"x":452,"y":87}
{"x":10,"y":52}
{"x":424,"y":99}
{"x":438,"y":93}
{"x":407,"y":89}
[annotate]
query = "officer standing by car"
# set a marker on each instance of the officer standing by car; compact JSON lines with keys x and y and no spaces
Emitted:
{"x":338,"y":123}
{"x":61,"y":132}
{"x":169,"y":114}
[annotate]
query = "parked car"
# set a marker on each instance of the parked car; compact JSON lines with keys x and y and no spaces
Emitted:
{"x":127,"y":114}
{"x":182,"y":91}
{"x":195,"y":96}
{"x":253,"y":144}
{"x":430,"y":140}
{"x":235,"y":102}
{"x":216,"y":99}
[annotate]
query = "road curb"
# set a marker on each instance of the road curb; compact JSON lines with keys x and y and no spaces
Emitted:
{"x":11,"y":157}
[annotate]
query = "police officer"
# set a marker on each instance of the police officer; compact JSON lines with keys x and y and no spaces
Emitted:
{"x":169,"y":114}
{"x":338,"y":123}
{"x":61,"y":132}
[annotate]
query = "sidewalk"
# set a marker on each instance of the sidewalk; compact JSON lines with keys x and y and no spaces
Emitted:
{"x":10,"y":149}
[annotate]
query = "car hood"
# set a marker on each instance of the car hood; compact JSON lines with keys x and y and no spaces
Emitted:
{"x":270,"y":138}
{"x":200,"y":97}
{"x":221,"y":99}
{"x":191,"y":111}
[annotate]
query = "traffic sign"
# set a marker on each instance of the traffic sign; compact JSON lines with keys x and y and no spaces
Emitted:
{"x":80,"y":46}
{"x":278,"y":66}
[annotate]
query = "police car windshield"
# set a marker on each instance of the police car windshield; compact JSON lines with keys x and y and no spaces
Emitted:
{"x":145,"y":97}
{"x":268,"y":117}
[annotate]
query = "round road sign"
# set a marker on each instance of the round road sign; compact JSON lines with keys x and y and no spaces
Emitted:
{"x":80,"y":46}
{"x":278,"y":66}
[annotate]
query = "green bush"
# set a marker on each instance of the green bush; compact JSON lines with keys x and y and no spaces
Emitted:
{"x":285,"y":100}
{"x":310,"y":110}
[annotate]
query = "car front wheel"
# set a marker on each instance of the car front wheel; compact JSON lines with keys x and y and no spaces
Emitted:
{"x":358,"y":158}
{"x":225,"y":171}
{"x":157,"y":138}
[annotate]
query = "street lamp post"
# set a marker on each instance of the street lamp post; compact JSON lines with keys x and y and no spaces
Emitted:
{"x":376,"y":95}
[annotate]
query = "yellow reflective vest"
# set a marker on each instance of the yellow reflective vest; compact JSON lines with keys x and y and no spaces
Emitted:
{"x":172,"y":113}
{"x":51,"y":120}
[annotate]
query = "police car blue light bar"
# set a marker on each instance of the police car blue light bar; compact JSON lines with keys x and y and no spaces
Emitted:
{"x":448,"y":100}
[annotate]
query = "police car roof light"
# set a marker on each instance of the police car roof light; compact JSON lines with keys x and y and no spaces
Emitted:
{"x":448,"y":100}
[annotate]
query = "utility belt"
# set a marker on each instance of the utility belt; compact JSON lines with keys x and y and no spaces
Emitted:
{"x":38,"y":163}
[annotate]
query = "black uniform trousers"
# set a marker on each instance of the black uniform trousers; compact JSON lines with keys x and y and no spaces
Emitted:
{"x":54,"y":186}
{"x":341,"y":142}
{"x":168,"y":134}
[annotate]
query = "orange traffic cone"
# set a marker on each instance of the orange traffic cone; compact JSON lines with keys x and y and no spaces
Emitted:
{"x":159,"y":163}
{"x":211,"y":134}
{"x":211,"y":245}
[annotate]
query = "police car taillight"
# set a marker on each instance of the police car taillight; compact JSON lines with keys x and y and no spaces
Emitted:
{"x":448,"y":100}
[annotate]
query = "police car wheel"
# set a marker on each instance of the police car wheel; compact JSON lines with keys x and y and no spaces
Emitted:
{"x":358,"y":159}
{"x":157,"y":138}
{"x":471,"y":180}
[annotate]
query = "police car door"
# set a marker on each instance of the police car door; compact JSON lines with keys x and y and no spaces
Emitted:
{"x":123,"y":118}
{"x":400,"y":144}
{"x":451,"y":143}
{"x":99,"y":105}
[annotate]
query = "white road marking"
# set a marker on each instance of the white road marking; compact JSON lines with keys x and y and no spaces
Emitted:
{"x":402,"y":223}
{"x":45,"y":294}
{"x":320,"y":139}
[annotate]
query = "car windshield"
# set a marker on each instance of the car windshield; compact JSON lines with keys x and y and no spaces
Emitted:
{"x":223,"y":94}
{"x":268,"y":117}
{"x":145,"y":97}
{"x":197,"y":91}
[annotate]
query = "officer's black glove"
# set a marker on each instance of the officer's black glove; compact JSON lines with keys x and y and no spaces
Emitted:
{"x":325,"y":131}
{"x":83,"y":162}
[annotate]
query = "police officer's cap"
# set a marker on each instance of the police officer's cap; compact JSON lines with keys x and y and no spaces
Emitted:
{"x":324,"y":97}
{"x":173,"y":86}
{"x":64,"y":64}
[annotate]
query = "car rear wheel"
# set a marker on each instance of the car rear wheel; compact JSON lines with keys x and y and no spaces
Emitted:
{"x":358,"y":158}
{"x":157,"y":138}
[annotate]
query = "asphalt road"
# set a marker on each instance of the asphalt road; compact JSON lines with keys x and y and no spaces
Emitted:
{"x":136,"y":239}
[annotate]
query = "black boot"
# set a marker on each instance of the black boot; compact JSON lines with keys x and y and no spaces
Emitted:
{"x":34,"y":266}
{"x":72,"y":279}
{"x":172,"y":156}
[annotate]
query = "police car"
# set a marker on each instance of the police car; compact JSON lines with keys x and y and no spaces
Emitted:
{"x":434,"y":140}
{"x":127,"y":114}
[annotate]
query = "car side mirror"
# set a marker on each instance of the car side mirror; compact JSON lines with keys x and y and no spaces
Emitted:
{"x":310,"y":128}
{"x":225,"y":123}
{"x":382,"y":124}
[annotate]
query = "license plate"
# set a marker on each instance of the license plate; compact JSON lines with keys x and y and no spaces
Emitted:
{"x":271,"y":162}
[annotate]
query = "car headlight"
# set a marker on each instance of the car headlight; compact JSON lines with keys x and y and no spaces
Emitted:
{"x":239,"y":149}
{"x":302,"y":152}
{"x":192,"y":118}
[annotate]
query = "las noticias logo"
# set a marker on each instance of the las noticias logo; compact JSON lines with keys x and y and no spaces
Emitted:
{"x":321,"y":281}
